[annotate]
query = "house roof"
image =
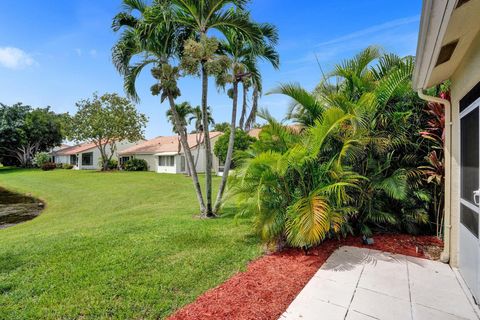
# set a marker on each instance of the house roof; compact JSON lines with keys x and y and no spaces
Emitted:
{"x":164,"y":144}
{"x":255,"y":132}
{"x":75,"y":149}
{"x":447,"y":29}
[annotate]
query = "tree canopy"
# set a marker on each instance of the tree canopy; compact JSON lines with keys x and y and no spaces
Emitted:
{"x":242,"y":142}
{"x":105,"y":120}
{"x":24,"y":131}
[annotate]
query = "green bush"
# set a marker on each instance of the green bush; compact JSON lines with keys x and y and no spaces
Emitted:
{"x":136,"y":165}
{"x":242,"y":143}
{"x":41,"y":158}
{"x":59,"y":165}
{"x":67,"y":166}
{"x":112,"y":164}
{"x":47,"y":166}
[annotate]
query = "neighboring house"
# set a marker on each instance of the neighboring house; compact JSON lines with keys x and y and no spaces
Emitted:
{"x":449,"y":48}
{"x":86,"y":156}
{"x":165,"y":154}
{"x":55,"y":154}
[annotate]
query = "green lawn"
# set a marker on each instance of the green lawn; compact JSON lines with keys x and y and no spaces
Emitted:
{"x":113,"y":245}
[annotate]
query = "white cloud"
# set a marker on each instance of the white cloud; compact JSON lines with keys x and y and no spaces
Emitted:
{"x":14,"y":58}
{"x":371,"y":30}
{"x":78,"y":51}
{"x":93,"y":53}
{"x":395,"y":35}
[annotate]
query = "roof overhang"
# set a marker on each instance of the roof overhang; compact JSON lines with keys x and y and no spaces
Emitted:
{"x":443,"y":23}
{"x":166,"y":153}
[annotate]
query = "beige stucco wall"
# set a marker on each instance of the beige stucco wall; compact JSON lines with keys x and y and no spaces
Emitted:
{"x":463,"y":80}
{"x":151,"y":161}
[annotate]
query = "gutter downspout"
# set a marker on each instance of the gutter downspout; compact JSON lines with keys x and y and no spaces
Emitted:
{"x":445,"y":256}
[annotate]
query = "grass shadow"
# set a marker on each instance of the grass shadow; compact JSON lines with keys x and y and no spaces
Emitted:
{"x":9,"y":262}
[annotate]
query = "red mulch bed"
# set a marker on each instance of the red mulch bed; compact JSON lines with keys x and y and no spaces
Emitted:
{"x":271,"y":282}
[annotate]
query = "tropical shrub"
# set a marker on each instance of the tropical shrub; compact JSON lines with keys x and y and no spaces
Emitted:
{"x":47,"y":166}
{"x":41,"y":158}
{"x":353,"y":162}
{"x":302,"y":195}
{"x":136,"y":165}
{"x":242,"y":143}
{"x":112,"y":164}
{"x":67,"y":166}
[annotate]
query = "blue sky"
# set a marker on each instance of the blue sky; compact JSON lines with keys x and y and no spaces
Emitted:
{"x":58,"y":52}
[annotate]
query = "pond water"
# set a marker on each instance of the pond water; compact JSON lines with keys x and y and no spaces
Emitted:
{"x":16,"y":208}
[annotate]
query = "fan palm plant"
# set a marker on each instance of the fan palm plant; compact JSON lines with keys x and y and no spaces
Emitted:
{"x":151,"y":37}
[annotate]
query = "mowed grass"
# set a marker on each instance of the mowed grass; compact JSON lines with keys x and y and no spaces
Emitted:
{"x":114,"y":245}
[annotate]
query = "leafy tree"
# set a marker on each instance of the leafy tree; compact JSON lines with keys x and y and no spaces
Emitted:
{"x":41,"y":158}
{"x":24,"y":131}
{"x":106,"y":120}
{"x":242,"y":142}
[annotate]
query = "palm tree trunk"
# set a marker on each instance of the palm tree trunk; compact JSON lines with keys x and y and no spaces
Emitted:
{"x":231,"y":142}
{"x":208,"y":146}
{"x":244,"y":107}
{"x":199,"y":142}
{"x":253,"y":113}
{"x":188,"y":153}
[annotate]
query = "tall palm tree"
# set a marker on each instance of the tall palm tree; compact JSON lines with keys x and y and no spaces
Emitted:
{"x":243,"y":54}
{"x":151,"y":36}
{"x":198,"y":18}
{"x":183,"y":110}
{"x":197,"y":118}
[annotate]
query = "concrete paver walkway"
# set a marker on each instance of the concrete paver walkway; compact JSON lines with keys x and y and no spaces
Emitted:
{"x":363,"y":284}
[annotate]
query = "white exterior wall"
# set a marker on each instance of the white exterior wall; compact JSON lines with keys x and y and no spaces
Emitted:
{"x":95,"y":163}
{"x":201,"y":163}
{"x":62,"y":159}
{"x":152,"y":161}
{"x":97,"y":155}
{"x":463,"y":80}
{"x":162,"y":169}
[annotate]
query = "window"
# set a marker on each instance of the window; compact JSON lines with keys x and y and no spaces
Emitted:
{"x":123,"y":160}
{"x":73,"y":159}
{"x":87,"y":159}
{"x":182,"y":163}
{"x":166,"y":161}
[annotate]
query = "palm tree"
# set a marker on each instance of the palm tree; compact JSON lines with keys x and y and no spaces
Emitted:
{"x":183,"y":110}
{"x":243,"y":54}
{"x":199,"y":18}
{"x":151,"y":36}
{"x":197,"y":117}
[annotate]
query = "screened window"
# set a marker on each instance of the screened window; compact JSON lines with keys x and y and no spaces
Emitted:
{"x":166,"y":161}
{"x":87,"y":159}
{"x":73,"y":159}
